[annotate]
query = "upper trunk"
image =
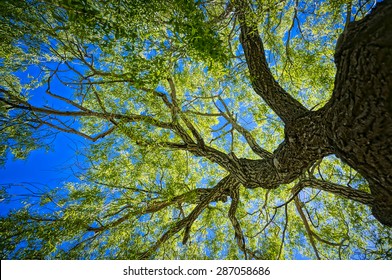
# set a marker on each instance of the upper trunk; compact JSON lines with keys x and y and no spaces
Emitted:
{"x":360,"y":124}
{"x":355,"y":124}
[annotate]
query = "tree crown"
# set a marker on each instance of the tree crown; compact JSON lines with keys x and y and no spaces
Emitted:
{"x":183,"y":104}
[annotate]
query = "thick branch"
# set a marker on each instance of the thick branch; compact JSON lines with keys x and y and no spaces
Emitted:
{"x":342,"y":191}
{"x":263,"y":82}
{"x":238,"y":234}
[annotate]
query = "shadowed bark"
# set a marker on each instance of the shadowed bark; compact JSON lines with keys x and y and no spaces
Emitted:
{"x":358,"y":122}
{"x":355,"y":124}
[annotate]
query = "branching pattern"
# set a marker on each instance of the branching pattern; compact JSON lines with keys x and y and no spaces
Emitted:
{"x":207,"y":140}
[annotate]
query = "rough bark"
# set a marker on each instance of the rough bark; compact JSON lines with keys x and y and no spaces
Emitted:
{"x":263,"y":82}
{"x":355,"y":124}
{"x":359,"y":121}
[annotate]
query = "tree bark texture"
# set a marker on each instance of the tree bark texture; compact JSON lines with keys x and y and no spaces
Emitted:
{"x":356,"y":123}
{"x":359,"y":120}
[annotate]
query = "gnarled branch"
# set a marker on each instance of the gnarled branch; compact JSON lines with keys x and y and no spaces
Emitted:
{"x":263,"y":82}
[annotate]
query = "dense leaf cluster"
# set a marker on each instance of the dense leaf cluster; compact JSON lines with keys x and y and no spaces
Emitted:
{"x":162,"y":92}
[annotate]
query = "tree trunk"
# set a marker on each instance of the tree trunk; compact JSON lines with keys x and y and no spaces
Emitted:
{"x":358,"y":115}
{"x":355,"y":125}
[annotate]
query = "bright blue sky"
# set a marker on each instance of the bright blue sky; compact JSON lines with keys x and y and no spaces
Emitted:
{"x":44,"y":168}
{"x":49,"y":168}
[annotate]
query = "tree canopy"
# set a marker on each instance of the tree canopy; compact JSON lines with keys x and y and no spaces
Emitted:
{"x":243,"y":129}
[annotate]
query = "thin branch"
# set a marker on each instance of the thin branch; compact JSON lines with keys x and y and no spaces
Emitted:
{"x":203,"y":114}
{"x":284,"y":231}
{"x":239,"y":235}
{"x":326,"y":241}
{"x":269,"y":221}
{"x":192,"y":197}
{"x":244,"y":132}
{"x":87,"y":113}
{"x":348,"y":15}
{"x":307,"y":227}
{"x":289,"y":32}
{"x":77,"y":132}
{"x":187,"y":222}
{"x":295,"y":191}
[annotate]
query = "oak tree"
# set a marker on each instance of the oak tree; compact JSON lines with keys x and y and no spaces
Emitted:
{"x":214,"y":129}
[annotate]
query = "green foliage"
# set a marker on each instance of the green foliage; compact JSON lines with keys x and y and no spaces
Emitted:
{"x":17,"y":137}
{"x":120,"y":63}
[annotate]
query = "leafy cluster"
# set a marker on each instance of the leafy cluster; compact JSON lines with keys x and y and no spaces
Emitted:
{"x":162,"y":91}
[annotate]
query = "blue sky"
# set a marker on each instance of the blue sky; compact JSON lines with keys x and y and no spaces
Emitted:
{"x":49,"y":168}
{"x":46,"y":168}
